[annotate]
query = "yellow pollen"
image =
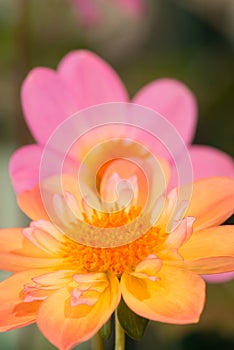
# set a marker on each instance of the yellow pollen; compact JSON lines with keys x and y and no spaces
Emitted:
{"x":117,"y":259}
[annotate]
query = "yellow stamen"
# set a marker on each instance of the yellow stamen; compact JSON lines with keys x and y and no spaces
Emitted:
{"x":117,"y":259}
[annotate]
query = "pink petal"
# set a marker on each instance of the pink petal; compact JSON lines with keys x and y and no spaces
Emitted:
{"x":47,"y":100}
{"x":208,"y":161}
{"x":92,"y":79}
{"x":24,"y":167}
{"x":219,"y":278}
{"x":174,"y":101}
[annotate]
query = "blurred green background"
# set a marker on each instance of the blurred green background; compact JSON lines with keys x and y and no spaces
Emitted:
{"x":190,"y":40}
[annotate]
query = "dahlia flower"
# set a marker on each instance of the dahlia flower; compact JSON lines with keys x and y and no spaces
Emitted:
{"x":84,"y":80}
{"x":71,"y":289}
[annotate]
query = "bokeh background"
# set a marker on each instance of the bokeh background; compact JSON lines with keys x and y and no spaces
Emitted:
{"x":190,"y":40}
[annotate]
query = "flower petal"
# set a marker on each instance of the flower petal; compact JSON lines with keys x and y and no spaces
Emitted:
{"x":181,"y":234}
{"x":211,"y":242}
{"x":24,"y":167}
{"x":212,"y":265}
{"x":47,"y":101}
{"x":39,"y":233}
{"x":13,"y":240}
{"x":178,"y":296}
{"x":92,"y":80}
{"x":14,"y":312}
{"x":212,"y":201}
{"x":174,"y":101}
{"x":66,"y":325}
{"x":219,"y":278}
{"x":18,"y":254}
{"x":30,"y":202}
{"x":208,"y":161}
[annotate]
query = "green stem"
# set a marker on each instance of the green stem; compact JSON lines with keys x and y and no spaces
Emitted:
{"x":119,"y":334}
{"x":97,"y":342}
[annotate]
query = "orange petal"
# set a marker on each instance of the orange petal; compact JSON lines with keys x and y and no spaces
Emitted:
{"x":13,"y":240}
{"x":66,"y":325}
{"x":45,"y":236}
{"x":18,"y":254}
{"x":14,"y":312}
{"x":212,"y":201}
{"x":220,"y":264}
{"x":178,"y":296}
{"x":30,"y":202}
{"x":208,"y":243}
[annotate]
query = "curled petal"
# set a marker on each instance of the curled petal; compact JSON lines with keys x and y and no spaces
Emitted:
{"x":148,"y":268}
{"x":14,"y":312}
{"x":181,"y":234}
{"x":178,"y":296}
{"x":67,"y":325}
{"x":54,"y":279}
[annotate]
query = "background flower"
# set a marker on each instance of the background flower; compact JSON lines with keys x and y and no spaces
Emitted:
{"x":90,"y":13}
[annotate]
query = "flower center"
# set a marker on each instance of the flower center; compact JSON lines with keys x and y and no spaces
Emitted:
{"x":118,"y":259}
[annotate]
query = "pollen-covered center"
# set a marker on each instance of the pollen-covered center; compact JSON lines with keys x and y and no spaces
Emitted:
{"x":117,"y":259}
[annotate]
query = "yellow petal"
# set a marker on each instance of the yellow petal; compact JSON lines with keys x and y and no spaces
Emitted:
{"x":210,"y":242}
{"x":148,"y":268}
{"x":212,"y":201}
{"x":178,"y":296}
{"x":66,"y":325}
{"x":220,"y":264}
{"x":17,"y":253}
{"x":45,"y":236}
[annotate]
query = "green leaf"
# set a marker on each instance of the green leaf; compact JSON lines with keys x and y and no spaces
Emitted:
{"x":133,"y":324}
{"x":106,"y":330}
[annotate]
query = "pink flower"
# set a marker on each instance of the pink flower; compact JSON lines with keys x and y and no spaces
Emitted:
{"x":82,"y":80}
{"x":89,"y":12}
